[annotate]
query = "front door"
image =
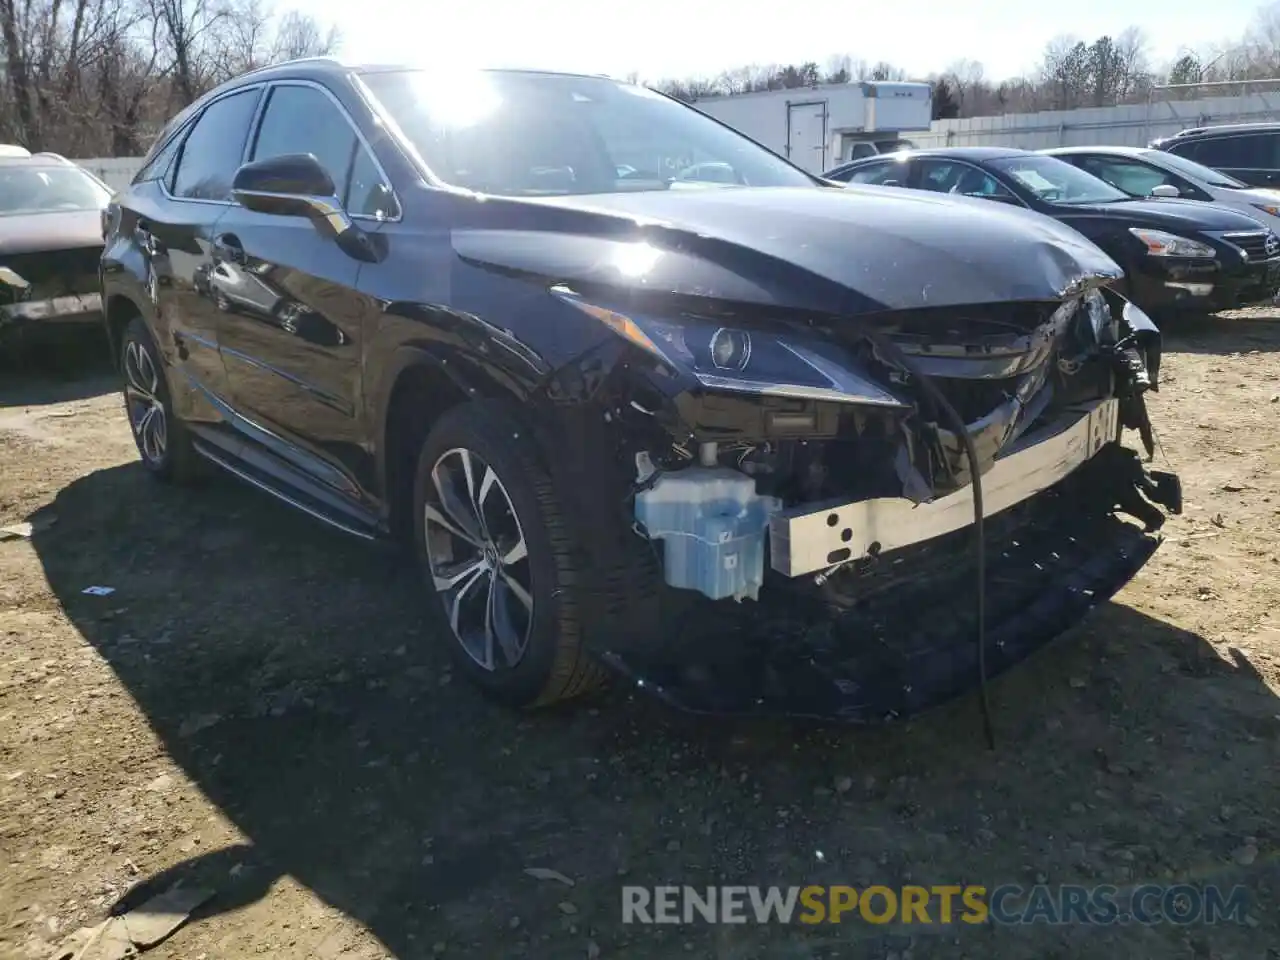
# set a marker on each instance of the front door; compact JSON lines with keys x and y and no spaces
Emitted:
{"x":292,"y":324}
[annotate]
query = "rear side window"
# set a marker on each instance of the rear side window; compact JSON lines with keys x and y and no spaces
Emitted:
{"x":214,"y":148}
{"x":302,"y":119}
{"x":1247,"y":151}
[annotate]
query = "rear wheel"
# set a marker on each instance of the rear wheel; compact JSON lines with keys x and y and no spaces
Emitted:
{"x":499,"y":560}
{"x":163,"y":442}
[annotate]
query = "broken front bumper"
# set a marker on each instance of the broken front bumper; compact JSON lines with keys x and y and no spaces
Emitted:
{"x":812,"y":537}
{"x":908,"y":642}
{"x":68,"y":309}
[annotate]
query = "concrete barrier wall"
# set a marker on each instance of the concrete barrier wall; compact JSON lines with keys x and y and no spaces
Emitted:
{"x":116,"y":172}
{"x":1132,"y":125}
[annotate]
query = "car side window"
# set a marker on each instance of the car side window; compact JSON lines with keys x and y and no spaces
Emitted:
{"x":157,"y":168}
{"x":879,"y":173}
{"x":212,"y":152}
{"x":938,"y":175}
{"x":302,"y":119}
{"x":1242,"y":152}
{"x":950,"y":176}
{"x":1134,"y":178}
{"x":368,"y":194}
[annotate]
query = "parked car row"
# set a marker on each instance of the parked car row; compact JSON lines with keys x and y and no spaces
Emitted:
{"x":1186,"y":236}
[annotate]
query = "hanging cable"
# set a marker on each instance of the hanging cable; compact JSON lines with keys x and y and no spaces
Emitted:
{"x":889,"y":350}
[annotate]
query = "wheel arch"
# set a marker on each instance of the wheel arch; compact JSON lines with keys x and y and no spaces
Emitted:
{"x":117,"y":310}
{"x":419,"y":385}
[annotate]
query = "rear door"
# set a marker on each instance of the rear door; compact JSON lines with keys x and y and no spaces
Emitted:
{"x":173,"y":221}
{"x":292,"y":323}
{"x":807,"y":134}
{"x":1251,"y":157}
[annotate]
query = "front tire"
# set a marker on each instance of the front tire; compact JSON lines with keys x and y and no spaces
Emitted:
{"x":163,"y":441}
{"x":499,"y":560}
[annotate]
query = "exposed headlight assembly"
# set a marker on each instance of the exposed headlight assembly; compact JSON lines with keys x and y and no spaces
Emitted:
{"x":744,"y":361}
{"x":1162,"y":244}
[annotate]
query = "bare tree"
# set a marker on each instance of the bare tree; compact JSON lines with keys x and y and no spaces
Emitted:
{"x":967,"y":82}
{"x":94,"y":77}
{"x":839,"y":69}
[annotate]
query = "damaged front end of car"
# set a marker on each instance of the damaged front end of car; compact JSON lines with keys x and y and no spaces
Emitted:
{"x":915,"y":499}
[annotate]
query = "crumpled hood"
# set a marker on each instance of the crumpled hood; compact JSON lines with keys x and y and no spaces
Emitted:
{"x":840,"y":250}
{"x":1169,"y":213}
{"x":38,"y":232}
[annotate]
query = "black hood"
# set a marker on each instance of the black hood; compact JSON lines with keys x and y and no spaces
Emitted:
{"x":831,"y":250}
{"x":1170,"y":214}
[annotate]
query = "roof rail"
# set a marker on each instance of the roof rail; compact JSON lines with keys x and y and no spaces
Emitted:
{"x":51,"y":155}
{"x":13,"y":150}
{"x":289,"y":63}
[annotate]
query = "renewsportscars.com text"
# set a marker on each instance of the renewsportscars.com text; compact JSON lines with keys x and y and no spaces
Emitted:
{"x":1009,"y":904}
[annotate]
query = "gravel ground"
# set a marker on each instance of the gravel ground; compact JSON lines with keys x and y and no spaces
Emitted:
{"x":257,"y":708}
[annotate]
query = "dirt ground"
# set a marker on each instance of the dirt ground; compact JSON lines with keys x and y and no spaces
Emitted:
{"x":256,"y":708}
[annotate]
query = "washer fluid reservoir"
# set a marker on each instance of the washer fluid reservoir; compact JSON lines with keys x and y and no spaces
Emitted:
{"x":713,"y":526}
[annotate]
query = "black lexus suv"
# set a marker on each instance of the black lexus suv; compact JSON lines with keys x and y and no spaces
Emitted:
{"x":602,"y":403}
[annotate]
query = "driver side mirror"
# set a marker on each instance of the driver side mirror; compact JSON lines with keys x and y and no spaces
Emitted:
{"x":292,"y":185}
{"x":1166,"y":190}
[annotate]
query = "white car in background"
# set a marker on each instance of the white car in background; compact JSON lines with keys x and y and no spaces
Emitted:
{"x":1142,"y":172}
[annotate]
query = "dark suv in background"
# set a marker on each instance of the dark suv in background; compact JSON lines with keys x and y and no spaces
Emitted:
{"x":1250,"y":152}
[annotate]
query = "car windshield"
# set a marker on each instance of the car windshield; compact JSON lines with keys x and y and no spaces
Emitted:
{"x":1196,"y":171}
{"x":527,"y":134}
{"x":26,"y":189}
{"x":1057,"y":182}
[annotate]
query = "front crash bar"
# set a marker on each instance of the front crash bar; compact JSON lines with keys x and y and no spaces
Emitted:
{"x":813,"y":537}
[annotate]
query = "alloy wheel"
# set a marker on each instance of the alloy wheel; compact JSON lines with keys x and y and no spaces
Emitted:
{"x":479,"y":559}
{"x":142,"y":399}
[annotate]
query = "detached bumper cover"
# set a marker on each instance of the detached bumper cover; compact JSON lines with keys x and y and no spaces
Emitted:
{"x":909,"y":643}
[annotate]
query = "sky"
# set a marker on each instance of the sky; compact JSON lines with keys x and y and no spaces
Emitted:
{"x":661,"y":39}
